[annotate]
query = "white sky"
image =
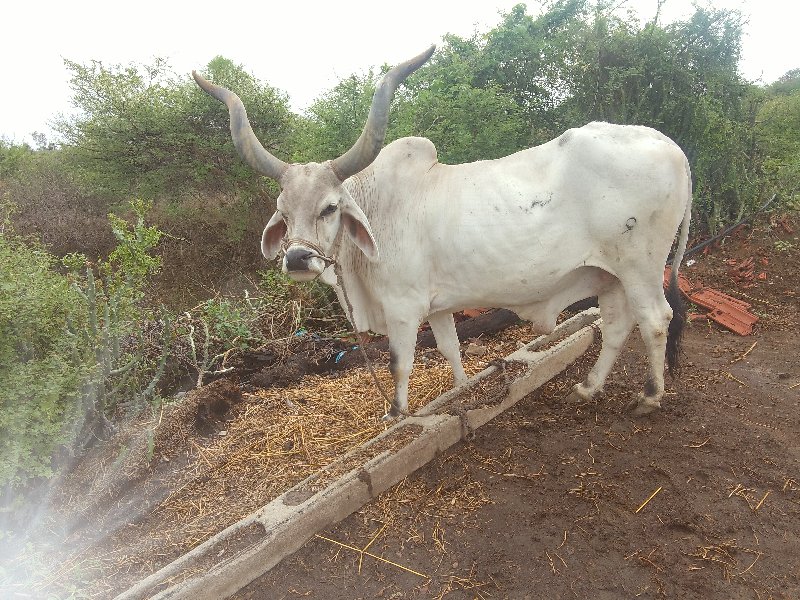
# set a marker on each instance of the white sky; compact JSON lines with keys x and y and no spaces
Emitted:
{"x":301,"y":47}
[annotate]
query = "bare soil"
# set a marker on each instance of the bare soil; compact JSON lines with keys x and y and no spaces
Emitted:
{"x":550,"y":500}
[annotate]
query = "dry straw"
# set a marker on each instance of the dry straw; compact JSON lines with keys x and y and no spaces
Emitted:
{"x":274,"y":439}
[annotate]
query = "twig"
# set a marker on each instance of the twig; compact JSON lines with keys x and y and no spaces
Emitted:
{"x":371,"y":555}
{"x":650,"y":562}
{"x":365,"y":548}
{"x":751,"y":564}
{"x":202,"y":454}
{"x":653,"y":495}
{"x":761,"y":501}
{"x":698,"y":445}
{"x":742,"y":356}
{"x":303,"y":443}
{"x":739,"y":381}
{"x":552,"y":564}
{"x":564,"y":542}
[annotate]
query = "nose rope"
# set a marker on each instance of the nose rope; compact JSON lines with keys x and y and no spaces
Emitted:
{"x":317,"y":251}
{"x":328,"y":260}
{"x":349,"y":308}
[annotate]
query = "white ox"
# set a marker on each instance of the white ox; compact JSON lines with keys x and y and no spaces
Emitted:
{"x":591,"y":213}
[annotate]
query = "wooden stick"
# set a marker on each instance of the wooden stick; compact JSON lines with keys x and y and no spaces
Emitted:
{"x":371,"y":555}
{"x":653,"y":495}
{"x":698,"y":444}
{"x":739,"y":381}
{"x":761,"y":502}
{"x":748,"y":351}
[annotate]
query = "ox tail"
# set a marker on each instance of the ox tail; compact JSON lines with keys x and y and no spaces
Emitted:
{"x":676,"y":302}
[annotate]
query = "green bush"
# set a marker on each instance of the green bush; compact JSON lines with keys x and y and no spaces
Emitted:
{"x":231,"y":322}
{"x":43,"y":359}
{"x":145,"y":130}
{"x":74,"y":346}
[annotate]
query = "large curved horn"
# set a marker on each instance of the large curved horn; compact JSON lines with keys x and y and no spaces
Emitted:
{"x":246,"y":142}
{"x":370,"y":142}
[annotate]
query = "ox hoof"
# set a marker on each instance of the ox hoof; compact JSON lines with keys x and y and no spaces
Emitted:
{"x":578,"y":395}
{"x":642,"y":405}
{"x":391,"y":416}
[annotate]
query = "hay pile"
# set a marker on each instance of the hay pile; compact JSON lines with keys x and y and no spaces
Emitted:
{"x":267,"y":442}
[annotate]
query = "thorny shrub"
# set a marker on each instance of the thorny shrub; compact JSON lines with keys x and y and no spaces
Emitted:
{"x":211,"y":334}
{"x":70,"y":350}
{"x":44,"y":359}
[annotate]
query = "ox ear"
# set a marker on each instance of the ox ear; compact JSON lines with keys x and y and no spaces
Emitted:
{"x":273,"y":236}
{"x":357,"y":227}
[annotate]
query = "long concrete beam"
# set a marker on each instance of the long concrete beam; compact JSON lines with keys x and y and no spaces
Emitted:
{"x":246,"y":550}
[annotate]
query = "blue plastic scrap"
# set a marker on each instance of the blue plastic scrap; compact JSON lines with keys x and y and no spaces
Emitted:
{"x":343,"y":352}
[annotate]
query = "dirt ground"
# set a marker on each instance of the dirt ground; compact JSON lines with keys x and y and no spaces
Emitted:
{"x":550,"y":500}
{"x":542,"y":504}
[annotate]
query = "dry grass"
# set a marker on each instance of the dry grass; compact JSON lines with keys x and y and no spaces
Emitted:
{"x":274,"y":439}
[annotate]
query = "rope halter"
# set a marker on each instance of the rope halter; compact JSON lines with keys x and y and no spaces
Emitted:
{"x":317,"y":252}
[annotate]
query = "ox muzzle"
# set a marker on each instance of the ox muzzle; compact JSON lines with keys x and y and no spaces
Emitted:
{"x":304,"y":260}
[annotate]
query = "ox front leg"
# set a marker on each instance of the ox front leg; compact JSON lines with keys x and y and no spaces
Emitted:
{"x":444,"y":330}
{"x":402,"y":339}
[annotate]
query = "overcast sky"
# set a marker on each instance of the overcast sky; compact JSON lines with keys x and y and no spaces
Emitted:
{"x":300,"y":47}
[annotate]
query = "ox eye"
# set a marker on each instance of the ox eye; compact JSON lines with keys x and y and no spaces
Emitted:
{"x":329,"y":210}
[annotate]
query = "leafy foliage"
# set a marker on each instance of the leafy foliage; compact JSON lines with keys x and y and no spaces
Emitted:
{"x":291,"y":306}
{"x":71,"y":346}
{"x":11,"y":157}
{"x":146,"y":131}
{"x":132,"y":263}
{"x":534,"y":60}
{"x":336,"y":119}
{"x":43,"y":359}
{"x":465,"y":122}
{"x":778,"y":136}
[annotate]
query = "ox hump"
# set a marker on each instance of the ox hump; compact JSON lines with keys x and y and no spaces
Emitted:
{"x":410,"y":152}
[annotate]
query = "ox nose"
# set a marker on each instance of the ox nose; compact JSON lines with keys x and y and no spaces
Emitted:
{"x":297,"y":259}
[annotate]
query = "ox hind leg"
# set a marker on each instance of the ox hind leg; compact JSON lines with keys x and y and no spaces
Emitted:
{"x":618,"y":322}
{"x":444,"y":330}
{"x":653,"y":313}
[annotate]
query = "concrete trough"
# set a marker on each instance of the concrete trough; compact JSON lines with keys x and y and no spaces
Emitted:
{"x":230,"y":560}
